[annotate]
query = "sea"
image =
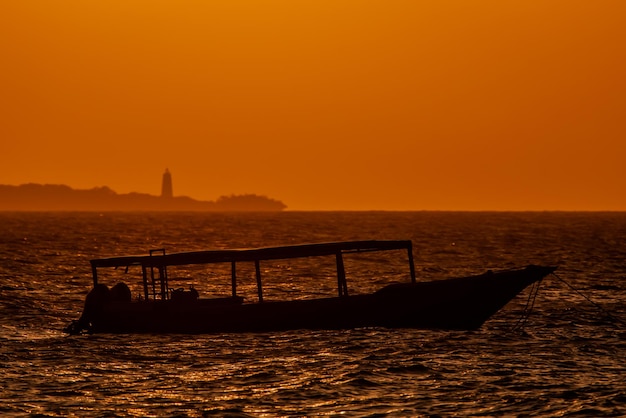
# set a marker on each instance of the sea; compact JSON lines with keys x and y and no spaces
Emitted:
{"x":567,"y":358}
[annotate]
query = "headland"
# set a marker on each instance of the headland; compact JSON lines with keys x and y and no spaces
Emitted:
{"x":56,"y":197}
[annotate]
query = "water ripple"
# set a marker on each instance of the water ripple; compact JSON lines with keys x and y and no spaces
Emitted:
{"x":568,"y":360}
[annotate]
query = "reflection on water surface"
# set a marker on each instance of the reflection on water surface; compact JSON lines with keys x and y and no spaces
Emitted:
{"x":567,"y":360}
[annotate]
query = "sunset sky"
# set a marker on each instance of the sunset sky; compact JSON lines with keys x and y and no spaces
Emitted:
{"x":325,"y":105}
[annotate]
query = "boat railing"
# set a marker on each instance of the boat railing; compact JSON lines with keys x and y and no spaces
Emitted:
{"x":160,"y":277}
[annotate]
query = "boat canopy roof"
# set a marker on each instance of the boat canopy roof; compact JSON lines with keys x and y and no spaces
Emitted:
{"x":252,"y":254}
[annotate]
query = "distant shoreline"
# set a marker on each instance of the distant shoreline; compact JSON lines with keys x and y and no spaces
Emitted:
{"x":34,"y":197}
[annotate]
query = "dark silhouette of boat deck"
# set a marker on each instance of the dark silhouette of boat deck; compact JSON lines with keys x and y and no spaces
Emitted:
{"x":459,"y":303}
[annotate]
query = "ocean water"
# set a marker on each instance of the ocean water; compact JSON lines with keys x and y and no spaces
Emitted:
{"x":569,"y":359}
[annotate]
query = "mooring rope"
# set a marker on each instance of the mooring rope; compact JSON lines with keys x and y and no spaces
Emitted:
{"x":589,"y":300}
{"x":530,"y":304}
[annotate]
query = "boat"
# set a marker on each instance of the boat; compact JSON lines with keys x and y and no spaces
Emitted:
{"x":463,"y":303}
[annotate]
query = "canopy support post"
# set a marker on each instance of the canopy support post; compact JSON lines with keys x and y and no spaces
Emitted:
{"x":259,"y":285}
{"x":411,"y":264}
{"x":233,"y":274}
{"x":145,"y":281}
{"x":342,"y":286}
{"x":163,"y":280}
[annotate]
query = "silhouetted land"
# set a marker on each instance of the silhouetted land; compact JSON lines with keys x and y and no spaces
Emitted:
{"x":45,"y":197}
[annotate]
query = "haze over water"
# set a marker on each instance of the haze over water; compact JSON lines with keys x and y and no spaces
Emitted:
{"x":323,"y":104}
{"x":567,"y":361}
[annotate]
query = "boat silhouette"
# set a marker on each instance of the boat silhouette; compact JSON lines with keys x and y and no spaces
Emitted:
{"x":463,"y":303}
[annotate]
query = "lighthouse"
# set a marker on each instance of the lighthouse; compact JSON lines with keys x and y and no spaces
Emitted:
{"x":166,"y":185}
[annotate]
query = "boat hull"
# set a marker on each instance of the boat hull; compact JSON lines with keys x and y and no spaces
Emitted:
{"x":459,"y":303}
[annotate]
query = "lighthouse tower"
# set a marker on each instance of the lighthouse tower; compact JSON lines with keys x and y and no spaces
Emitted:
{"x":166,"y":185}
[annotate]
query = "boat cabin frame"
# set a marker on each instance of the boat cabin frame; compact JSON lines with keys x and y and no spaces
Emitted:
{"x":154,"y":265}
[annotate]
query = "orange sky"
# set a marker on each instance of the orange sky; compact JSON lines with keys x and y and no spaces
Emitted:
{"x":399,"y":105}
